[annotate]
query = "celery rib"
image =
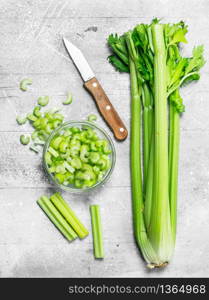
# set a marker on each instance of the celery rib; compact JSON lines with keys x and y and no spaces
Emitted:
{"x":160,"y":227}
{"x":69,"y":215}
{"x":149,"y":187}
{"x":136,"y":172}
{"x":56,"y":218}
{"x":97,"y":231}
{"x":173,"y":165}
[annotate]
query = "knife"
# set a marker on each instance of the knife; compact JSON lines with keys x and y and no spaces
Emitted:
{"x":93,"y":86}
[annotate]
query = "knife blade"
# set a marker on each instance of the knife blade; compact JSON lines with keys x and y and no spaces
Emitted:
{"x":93,"y":86}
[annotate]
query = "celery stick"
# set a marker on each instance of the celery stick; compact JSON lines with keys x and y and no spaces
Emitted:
{"x":56,"y":218}
{"x":69,"y":215}
{"x":97,"y":231}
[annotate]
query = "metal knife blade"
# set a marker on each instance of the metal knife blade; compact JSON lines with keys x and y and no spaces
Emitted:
{"x":79,"y":60}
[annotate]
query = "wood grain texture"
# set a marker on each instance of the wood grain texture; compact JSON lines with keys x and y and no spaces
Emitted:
{"x":31,"y":46}
{"x":106,"y":109}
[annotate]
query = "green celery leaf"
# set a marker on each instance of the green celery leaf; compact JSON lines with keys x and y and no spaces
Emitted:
{"x":197,"y":61}
{"x":118,"y":64}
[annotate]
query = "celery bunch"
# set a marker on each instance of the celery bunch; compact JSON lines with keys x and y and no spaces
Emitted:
{"x":151,"y":54}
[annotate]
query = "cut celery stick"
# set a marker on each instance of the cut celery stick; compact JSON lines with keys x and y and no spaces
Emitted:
{"x":56,"y":218}
{"x":97,"y":231}
{"x":69,"y":215}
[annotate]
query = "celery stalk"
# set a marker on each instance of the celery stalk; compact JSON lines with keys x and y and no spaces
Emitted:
{"x":56,"y":218}
{"x":69,"y":215}
{"x":149,"y":186}
{"x":160,"y":227}
{"x":136,"y":172}
{"x":157,"y":71}
{"x":173,"y":164}
{"x":147,"y":129}
{"x":97,"y":231}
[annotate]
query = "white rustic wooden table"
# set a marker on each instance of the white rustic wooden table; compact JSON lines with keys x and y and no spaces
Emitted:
{"x":31,"y":46}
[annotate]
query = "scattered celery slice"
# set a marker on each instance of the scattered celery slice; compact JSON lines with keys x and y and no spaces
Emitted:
{"x":92,"y":118}
{"x":33,"y":148}
{"x":36,"y":111}
{"x":24,"y":139}
{"x":31,"y":117}
{"x":68,"y":100}
{"x":43,"y":100}
{"x":24,"y":84}
{"x":21,"y":120}
{"x":56,"y":218}
{"x":69,"y":215}
{"x":97,"y":231}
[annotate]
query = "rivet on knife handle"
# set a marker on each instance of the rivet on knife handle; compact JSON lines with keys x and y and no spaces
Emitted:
{"x":106,"y":108}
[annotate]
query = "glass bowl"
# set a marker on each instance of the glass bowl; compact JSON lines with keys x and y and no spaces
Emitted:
{"x":101,"y":134}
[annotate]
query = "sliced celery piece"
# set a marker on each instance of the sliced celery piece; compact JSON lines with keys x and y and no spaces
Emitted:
{"x":24,"y":84}
{"x":21,"y":120}
{"x":68,"y":100}
{"x":24,"y":139}
{"x":69,"y":167}
{"x":92,"y":118}
{"x":37,"y":112}
{"x":97,"y":231}
{"x":43,"y":100}
{"x":31,"y":117}
{"x":56,"y":218}
{"x":69,"y":215}
{"x":33,"y":148}
{"x":53,"y":152}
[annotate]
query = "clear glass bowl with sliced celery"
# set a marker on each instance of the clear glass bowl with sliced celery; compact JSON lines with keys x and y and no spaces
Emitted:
{"x":79,"y":156}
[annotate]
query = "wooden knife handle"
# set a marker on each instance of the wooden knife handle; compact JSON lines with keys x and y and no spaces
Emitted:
{"x":106,"y":108}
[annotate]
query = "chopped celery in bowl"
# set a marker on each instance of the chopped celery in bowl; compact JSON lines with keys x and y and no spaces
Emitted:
{"x":79,"y":156}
